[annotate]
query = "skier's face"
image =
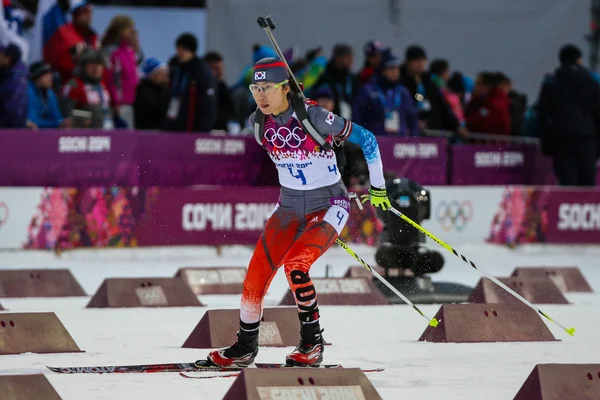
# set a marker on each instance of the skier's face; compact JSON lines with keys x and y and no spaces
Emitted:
{"x":270,"y":97}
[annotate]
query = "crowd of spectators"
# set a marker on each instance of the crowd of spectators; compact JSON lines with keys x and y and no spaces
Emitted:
{"x":87,"y":80}
{"x":107,"y":81}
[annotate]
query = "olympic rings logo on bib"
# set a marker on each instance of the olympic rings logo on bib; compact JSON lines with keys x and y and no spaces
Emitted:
{"x":291,"y":140}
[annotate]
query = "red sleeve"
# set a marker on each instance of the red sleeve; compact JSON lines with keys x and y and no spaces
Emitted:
{"x":56,"y":51}
{"x":496,"y":119}
{"x":74,"y":91}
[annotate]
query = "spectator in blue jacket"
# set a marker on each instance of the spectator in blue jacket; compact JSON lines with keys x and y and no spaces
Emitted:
{"x":43,"y":103}
{"x":13,"y":88}
{"x":383,"y":105}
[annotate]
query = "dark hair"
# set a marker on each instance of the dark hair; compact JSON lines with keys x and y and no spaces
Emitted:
{"x":488,"y":78}
{"x":569,"y":54}
{"x":415,"y":52}
{"x":213,"y":57}
{"x":188,"y":41}
{"x":340,"y":50}
{"x":502,"y":79}
{"x":456,"y":83}
{"x":439,"y":66}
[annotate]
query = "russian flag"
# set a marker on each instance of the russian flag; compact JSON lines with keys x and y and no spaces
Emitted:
{"x":49,"y":17}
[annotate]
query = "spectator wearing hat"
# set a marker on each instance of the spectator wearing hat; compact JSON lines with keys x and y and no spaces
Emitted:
{"x":373,"y":50}
{"x":225,"y":108}
{"x":383,"y":105}
{"x":434,"y":111}
{"x":69,"y":40}
{"x":13,"y":88}
{"x":44,"y":111}
{"x":152,"y":96}
{"x":342,"y":83}
{"x":192,"y":92}
{"x":86,"y":96}
{"x":568,"y":115}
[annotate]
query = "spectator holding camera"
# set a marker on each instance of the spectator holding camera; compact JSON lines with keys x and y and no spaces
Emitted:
{"x":70,"y":39}
{"x":568,"y":115}
{"x":383,"y":105}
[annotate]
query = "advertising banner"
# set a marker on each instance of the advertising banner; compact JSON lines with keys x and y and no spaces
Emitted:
{"x":573,"y":216}
{"x":547,"y":215}
{"x":85,"y":158}
{"x":184,"y":160}
{"x":68,"y":218}
{"x":17,"y":208}
{"x":506,"y":164}
{"x":77,"y":158}
{"x":207,"y":216}
{"x":423,"y":160}
{"x":462,"y":215}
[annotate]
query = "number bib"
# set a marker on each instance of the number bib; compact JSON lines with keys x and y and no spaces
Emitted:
{"x":300,"y":161}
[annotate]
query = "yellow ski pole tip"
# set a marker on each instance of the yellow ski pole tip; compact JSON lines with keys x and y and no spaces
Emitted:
{"x":570,"y":331}
{"x":434,"y":322}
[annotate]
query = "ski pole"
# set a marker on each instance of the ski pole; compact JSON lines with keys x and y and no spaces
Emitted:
{"x":432,"y":321}
{"x":267,"y":24}
{"x":570,"y":331}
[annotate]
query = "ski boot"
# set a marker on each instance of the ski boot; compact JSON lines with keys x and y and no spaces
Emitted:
{"x":242,"y":353}
{"x":309,"y":352}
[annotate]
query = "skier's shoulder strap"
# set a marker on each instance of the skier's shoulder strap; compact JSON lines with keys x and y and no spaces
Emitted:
{"x":299,"y":107}
{"x":259,"y":125}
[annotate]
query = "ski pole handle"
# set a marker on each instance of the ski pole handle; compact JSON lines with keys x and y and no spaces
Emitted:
{"x":265,"y":22}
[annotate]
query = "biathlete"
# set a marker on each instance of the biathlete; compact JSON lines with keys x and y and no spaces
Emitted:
{"x":312,"y":210}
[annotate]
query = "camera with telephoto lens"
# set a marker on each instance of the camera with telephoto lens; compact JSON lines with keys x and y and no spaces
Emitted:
{"x":400,"y":246}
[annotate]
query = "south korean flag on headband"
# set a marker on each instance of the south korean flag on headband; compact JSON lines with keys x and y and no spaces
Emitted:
{"x":260,"y":75}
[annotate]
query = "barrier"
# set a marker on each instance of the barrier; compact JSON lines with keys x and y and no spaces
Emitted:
{"x":279,"y":327}
{"x":39,"y":283}
{"x":561,"y":381}
{"x":87,"y":157}
{"x":536,"y":289}
{"x":34,"y":333}
{"x":27,"y":387}
{"x":474,"y":323}
{"x":568,"y":279}
{"x":302,"y":383}
{"x":218,"y":215}
{"x":342,"y":292}
{"x":143,"y":292}
{"x":216,"y":280}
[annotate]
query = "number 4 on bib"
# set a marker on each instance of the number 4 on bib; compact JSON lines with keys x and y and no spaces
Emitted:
{"x":332,"y":168}
{"x":300,"y":175}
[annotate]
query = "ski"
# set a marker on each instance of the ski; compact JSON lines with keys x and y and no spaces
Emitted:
{"x":233,"y":375}
{"x":200,"y":366}
{"x":124,"y":369}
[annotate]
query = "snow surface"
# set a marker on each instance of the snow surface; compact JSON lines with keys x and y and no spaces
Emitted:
{"x":367,"y":337}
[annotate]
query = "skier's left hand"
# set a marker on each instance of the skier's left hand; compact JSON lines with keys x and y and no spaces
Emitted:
{"x":378,"y":198}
